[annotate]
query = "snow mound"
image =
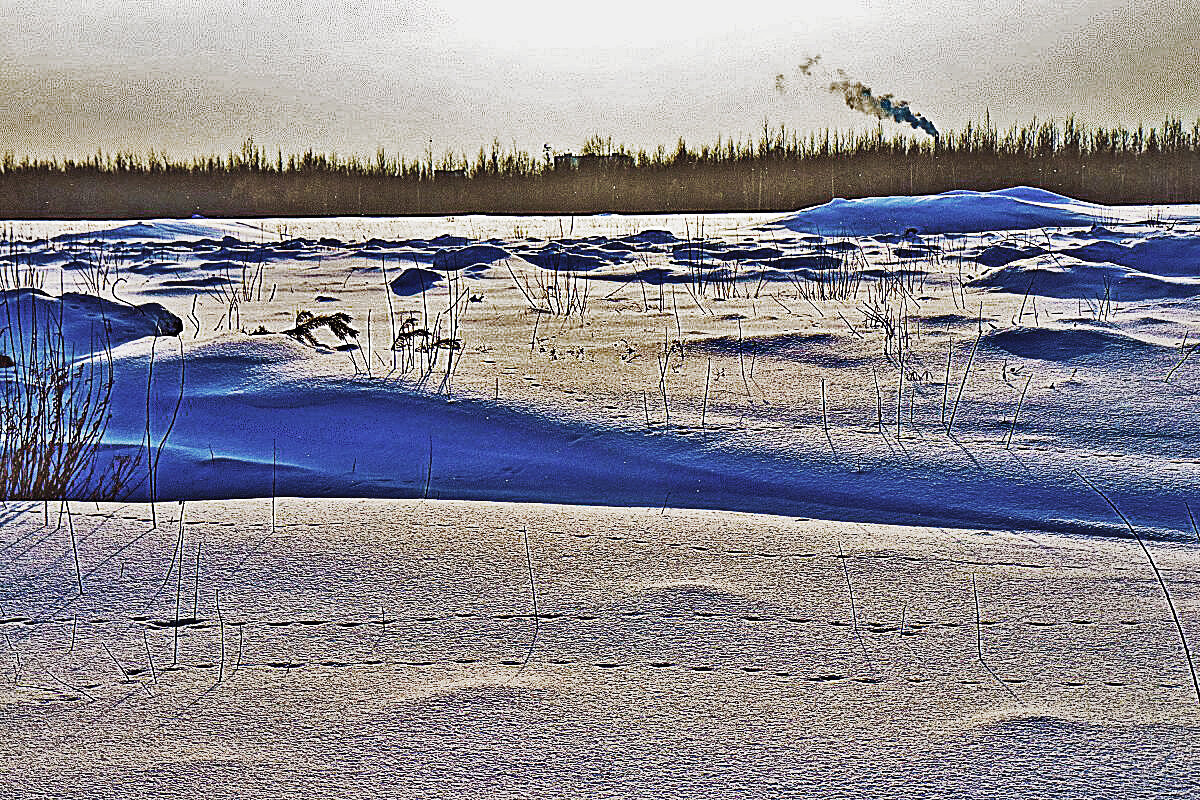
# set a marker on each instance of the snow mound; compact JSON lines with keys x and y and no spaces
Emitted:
{"x":1085,"y":281}
{"x":188,"y":287}
{"x":1020,"y":208}
{"x":650,"y":276}
{"x":22,"y":255}
{"x":449,"y":240}
{"x":758,"y":254}
{"x":813,"y":262}
{"x":87,"y":323}
{"x":414,"y":280}
{"x":823,"y":348}
{"x":999,"y":255}
{"x":165,"y":230}
{"x":454,"y":259}
{"x":651,"y":236}
{"x":1066,"y":344}
{"x":578,"y":258}
{"x":1033,"y":716}
{"x":1169,"y":256}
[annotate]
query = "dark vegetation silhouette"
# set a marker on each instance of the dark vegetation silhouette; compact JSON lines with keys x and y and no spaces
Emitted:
{"x":779,"y":170}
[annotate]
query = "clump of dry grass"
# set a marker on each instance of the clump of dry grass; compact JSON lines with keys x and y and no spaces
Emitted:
{"x":54,"y":408}
{"x":418,"y":342}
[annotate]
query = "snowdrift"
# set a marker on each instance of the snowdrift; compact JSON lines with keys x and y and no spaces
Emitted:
{"x":1171,"y":256}
{"x":255,"y":419}
{"x":86,"y":323}
{"x":414,"y":281}
{"x":1070,"y":279}
{"x":167,"y":230}
{"x":1019,"y":208}
{"x":1050,"y":343}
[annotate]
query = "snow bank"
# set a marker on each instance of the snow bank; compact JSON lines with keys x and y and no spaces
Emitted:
{"x":1168,"y":255}
{"x":1065,"y":344}
{"x":167,"y":230}
{"x":454,"y":259}
{"x":1069,"y":279}
{"x":87,"y":323}
{"x":578,"y":258}
{"x":257,"y":416}
{"x":414,"y":281}
{"x":1019,"y":208}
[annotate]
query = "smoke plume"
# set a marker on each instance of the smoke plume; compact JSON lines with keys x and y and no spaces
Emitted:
{"x":860,"y":98}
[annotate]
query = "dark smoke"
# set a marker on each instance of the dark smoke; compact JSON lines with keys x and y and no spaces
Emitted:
{"x":803,"y":69}
{"x":860,"y":98}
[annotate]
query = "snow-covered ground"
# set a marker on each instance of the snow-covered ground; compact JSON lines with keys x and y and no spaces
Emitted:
{"x":975,"y":367}
{"x":958,"y":378}
{"x":387,"y":649}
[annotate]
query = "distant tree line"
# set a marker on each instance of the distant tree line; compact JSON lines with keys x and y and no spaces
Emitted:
{"x":779,"y":170}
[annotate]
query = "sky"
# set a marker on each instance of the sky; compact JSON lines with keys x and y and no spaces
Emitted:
{"x":190,"y":77}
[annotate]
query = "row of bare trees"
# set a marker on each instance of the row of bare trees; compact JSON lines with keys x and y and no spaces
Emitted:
{"x":779,"y":170}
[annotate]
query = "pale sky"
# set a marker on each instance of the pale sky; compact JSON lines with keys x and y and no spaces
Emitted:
{"x":190,"y":77}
